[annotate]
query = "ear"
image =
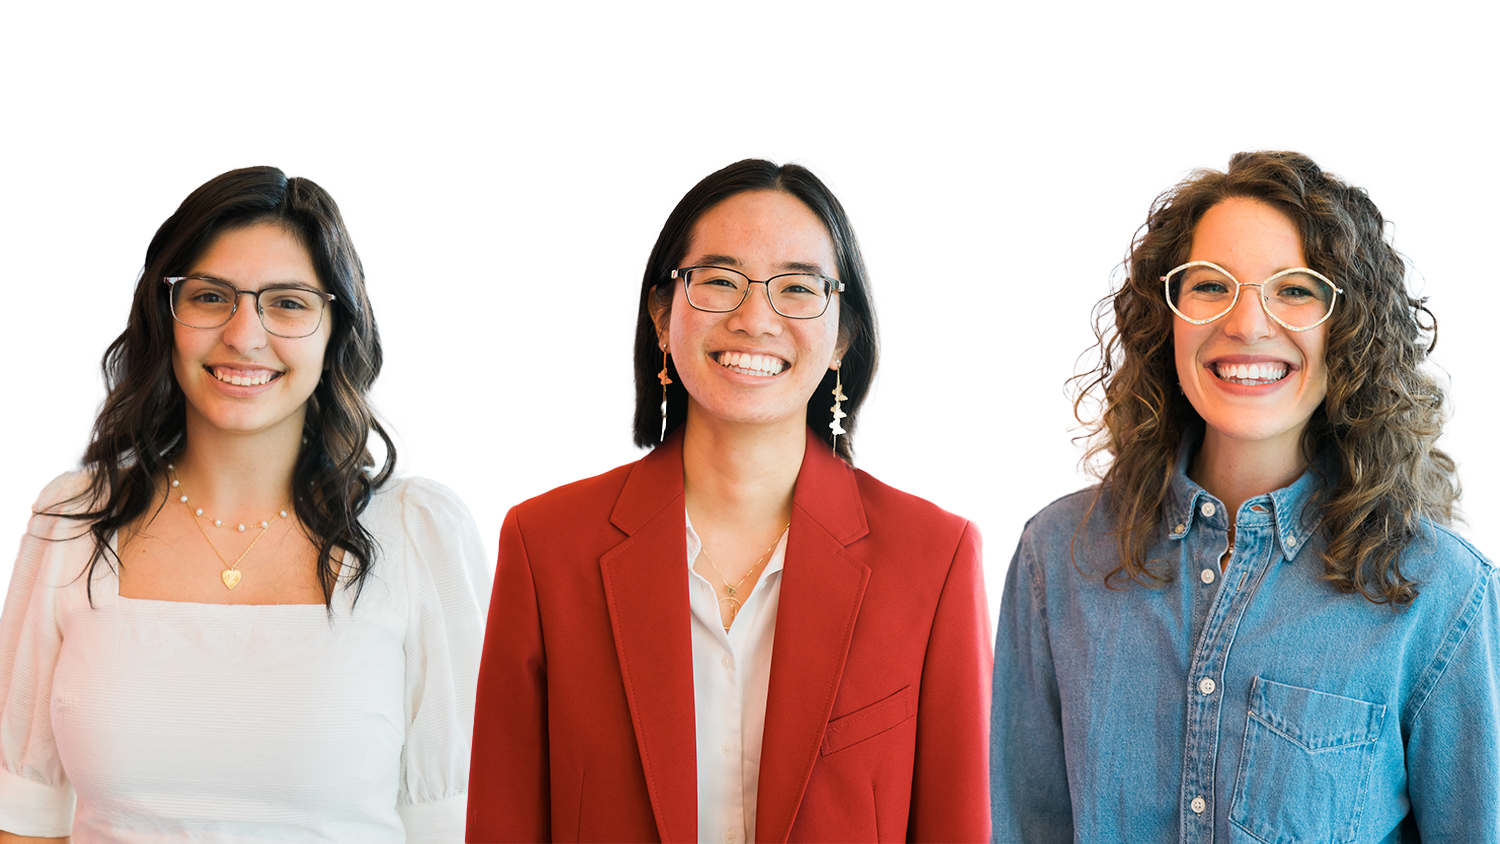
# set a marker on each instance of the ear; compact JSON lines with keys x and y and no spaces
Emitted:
{"x":661,"y":318}
{"x":846,"y":338}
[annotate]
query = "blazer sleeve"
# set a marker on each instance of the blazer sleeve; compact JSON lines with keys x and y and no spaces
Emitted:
{"x":510,"y":776}
{"x":1028,"y":772}
{"x":950,"y":779}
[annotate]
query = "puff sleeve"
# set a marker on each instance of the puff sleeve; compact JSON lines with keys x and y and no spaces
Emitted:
{"x":449,"y":586}
{"x":35,"y":797}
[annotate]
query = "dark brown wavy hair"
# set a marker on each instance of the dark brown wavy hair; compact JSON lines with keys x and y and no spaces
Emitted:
{"x":1377,"y":426}
{"x":856,"y":309}
{"x":141,"y":425}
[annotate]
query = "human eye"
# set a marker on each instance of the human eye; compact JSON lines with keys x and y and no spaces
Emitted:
{"x":1202,"y":283}
{"x":800,"y":285}
{"x":717,"y":277}
{"x":1298,"y":289}
{"x":201,"y":291}
{"x":290,"y":300}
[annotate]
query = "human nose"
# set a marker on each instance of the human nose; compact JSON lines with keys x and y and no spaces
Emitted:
{"x":1248,"y":320}
{"x":755,"y":314}
{"x":244,"y":331}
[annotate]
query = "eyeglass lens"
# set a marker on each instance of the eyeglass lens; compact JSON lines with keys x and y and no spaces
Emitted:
{"x":796,"y":295}
{"x":1298,"y":299}
{"x":284,"y":311}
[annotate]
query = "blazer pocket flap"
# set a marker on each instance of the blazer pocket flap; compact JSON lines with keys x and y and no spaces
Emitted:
{"x":870,"y":721}
{"x":1316,"y":720}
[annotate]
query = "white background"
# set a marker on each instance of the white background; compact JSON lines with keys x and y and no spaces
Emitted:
{"x":996,"y":162}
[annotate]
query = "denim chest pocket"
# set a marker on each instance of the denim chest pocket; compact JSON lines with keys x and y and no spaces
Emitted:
{"x":1305,"y":766}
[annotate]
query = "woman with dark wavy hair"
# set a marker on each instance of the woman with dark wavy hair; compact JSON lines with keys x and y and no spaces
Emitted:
{"x":629,"y":690}
{"x":1259,"y":626}
{"x":235,"y":624}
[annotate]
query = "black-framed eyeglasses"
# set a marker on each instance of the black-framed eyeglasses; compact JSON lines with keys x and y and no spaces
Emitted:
{"x":793,"y":295}
{"x":285,"y":310}
{"x":1298,"y":299}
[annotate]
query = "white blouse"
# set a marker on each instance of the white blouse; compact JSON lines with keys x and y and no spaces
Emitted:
{"x":731,"y":677}
{"x":175,"y":721}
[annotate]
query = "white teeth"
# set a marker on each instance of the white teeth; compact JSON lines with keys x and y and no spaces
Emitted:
{"x":256,"y":380}
{"x":751,"y":364}
{"x":1250,"y":373}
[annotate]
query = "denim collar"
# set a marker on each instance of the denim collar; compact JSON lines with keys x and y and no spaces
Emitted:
{"x":1291,"y":509}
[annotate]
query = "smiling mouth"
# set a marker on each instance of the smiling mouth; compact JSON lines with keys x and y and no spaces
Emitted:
{"x":764,"y":366}
{"x":243,"y":377}
{"x":1250,"y":374}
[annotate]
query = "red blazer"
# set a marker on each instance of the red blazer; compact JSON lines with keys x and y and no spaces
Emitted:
{"x":877,"y":715}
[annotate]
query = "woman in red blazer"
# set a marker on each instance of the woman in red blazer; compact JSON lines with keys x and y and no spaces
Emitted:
{"x":739,"y":637}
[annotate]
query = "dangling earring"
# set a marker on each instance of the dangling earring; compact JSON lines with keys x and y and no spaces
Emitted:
{"x":665,"y":379}
{"x":838,"y":412}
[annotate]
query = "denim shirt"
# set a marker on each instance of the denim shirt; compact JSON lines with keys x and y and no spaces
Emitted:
{"x":1255,"y":704}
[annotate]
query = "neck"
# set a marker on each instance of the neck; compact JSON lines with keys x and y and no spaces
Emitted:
{"x":743,"y":474}
{"x":1235,"y":471}
{"x":238,"y":475}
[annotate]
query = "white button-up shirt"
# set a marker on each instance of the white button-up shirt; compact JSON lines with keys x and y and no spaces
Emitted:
{"x":731,"y":673}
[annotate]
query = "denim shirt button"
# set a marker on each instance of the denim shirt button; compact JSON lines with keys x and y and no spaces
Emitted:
{"x":1207,"y":575}
{"x":1181,"y":528}
{"x":1198,"y":805}
{"x":1290,"y":540}
{"x":1206,"y":685}
{"x":1208,"y":508}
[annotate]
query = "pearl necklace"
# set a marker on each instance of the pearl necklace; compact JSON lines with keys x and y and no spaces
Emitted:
{"x":231,"y":574}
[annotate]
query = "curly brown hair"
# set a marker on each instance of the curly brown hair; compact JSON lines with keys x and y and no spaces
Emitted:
{"x":1378,"y":424}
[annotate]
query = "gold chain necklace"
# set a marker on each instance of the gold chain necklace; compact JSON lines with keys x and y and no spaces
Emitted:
{"x":731,"y":591}
{"x":231,"y":574}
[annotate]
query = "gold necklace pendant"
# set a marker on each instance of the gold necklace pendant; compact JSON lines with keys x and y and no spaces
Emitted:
{"x":732,"y":589}
{"x":231,"y":578}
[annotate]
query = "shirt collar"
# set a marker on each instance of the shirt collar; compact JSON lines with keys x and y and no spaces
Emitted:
{"x":1292,"y":508}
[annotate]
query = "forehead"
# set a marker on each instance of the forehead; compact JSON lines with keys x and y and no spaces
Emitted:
{"x":764,"y":229}
{"x":1247,"y":236}
{"x":255,"y":255}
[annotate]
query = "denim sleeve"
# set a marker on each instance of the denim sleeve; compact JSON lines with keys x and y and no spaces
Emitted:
{"x":1029,"y":796}
{"x":1453,"y":738}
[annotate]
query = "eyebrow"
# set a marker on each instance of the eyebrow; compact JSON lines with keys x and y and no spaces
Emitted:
{"x":275,"y":285}
{"x":787,"y":266}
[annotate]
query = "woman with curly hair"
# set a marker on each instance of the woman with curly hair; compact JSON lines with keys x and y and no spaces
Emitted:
{"x":235,"y":625}
{"x":1259,"y":626}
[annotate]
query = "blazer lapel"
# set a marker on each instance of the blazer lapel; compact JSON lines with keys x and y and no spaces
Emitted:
{"x":821,"y":589}
{"x":646,"y":587}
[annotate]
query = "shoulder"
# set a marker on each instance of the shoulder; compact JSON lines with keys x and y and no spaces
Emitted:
{"x":1443,"y":562}
{"x":879,"y":496}
{"x":401,"y":496}
{"x":580,"y":497}
{"x":884,"y":503}
{"x":67,"y":495}
{"x":1076,"y":527}
{"x":1069,"y":510}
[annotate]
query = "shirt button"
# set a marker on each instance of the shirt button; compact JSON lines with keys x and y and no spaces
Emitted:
{"x":727,"y":748}
{"x":726,"y":661}
{"x":1180,"y":529}
{"x":1198,"y":805}
{"x":1206,"y":685}
{"x":729,"y":837}
{"x":1208,"y":508}
{"x":1207,"y":575}
{"x":1290,"y":540}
